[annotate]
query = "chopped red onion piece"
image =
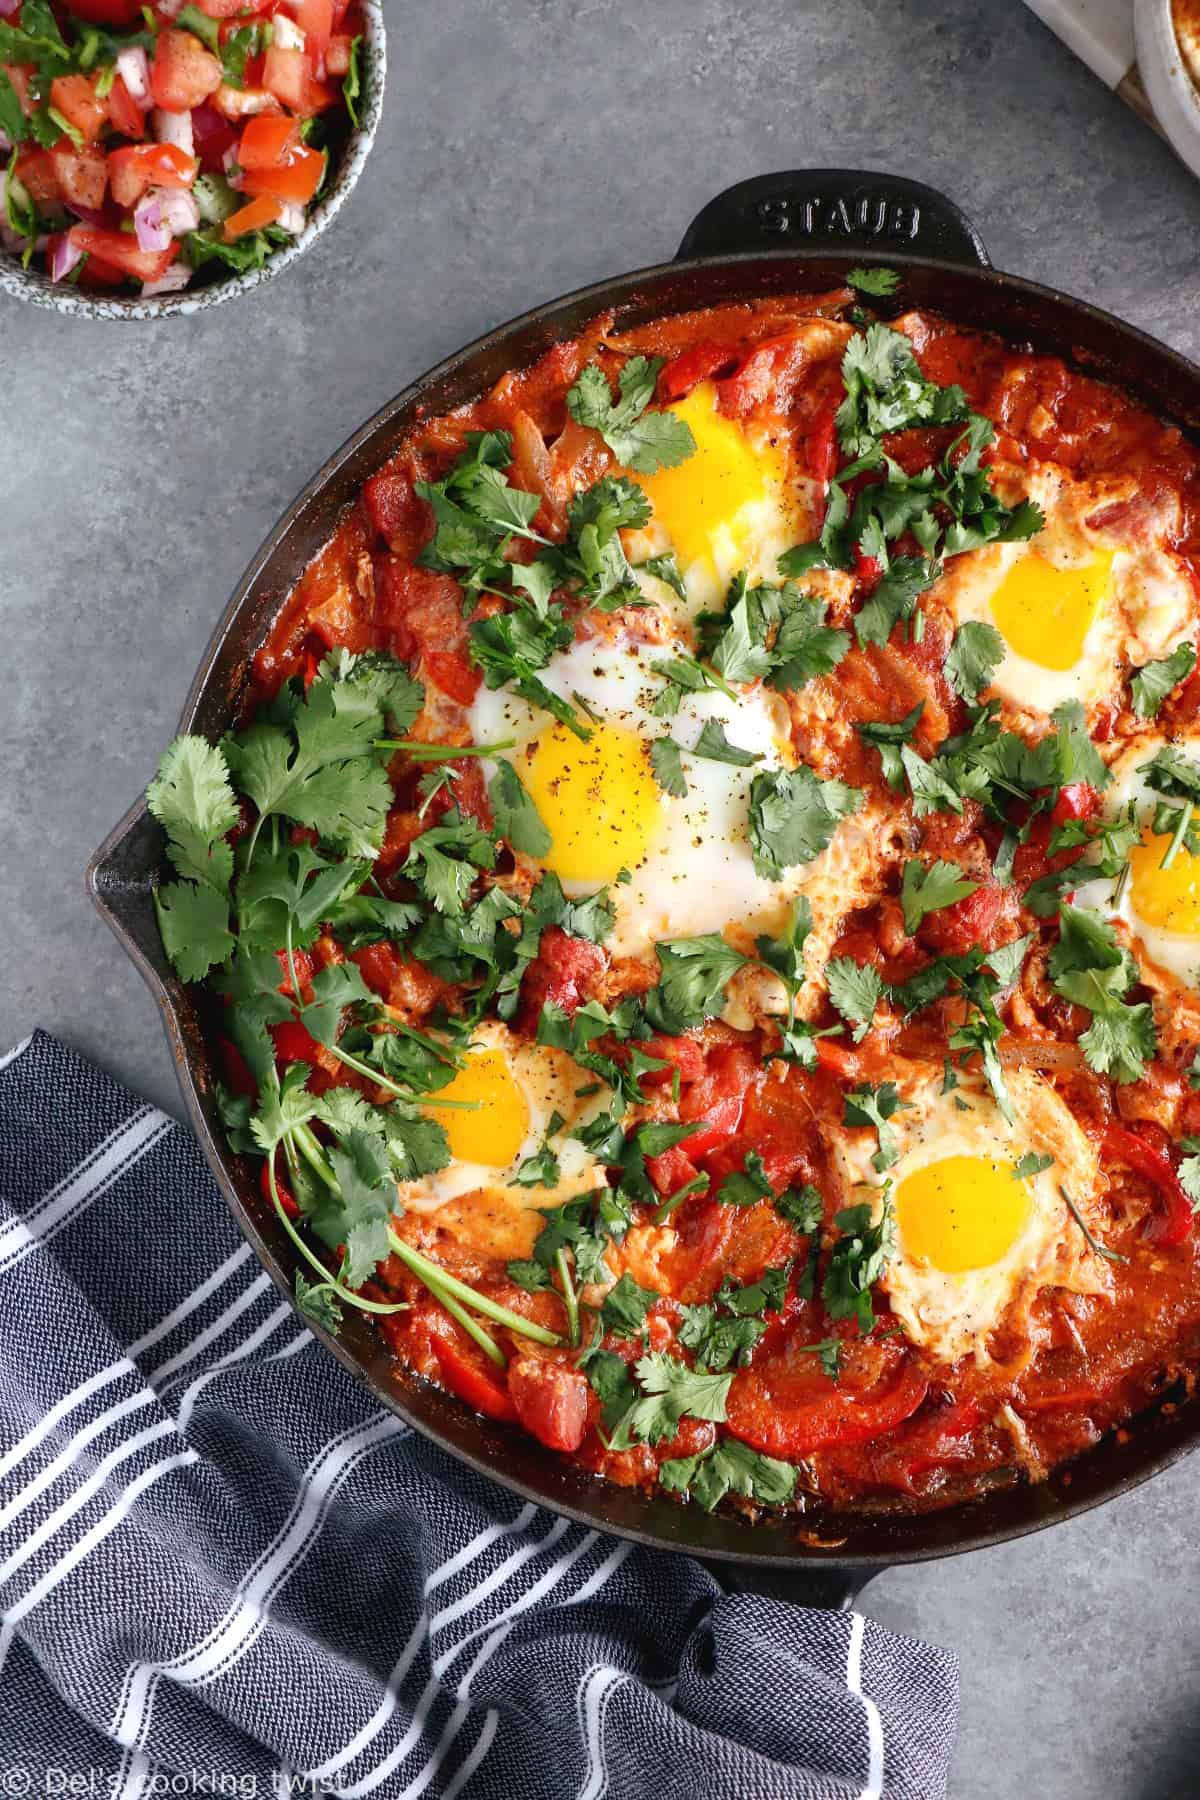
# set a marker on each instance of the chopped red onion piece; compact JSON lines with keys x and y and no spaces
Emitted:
{"x":64,"y":257}
{"x":231,"y":166}
{"x":133,"y":66}
{"x":175,"y":279}
{"x":8,"y":8}
{"x":174,"y":128}
{"x":5,"y":140}
{"x":178,"y":211}
{"x":153,"y":232}
{"x":170,"y":9}
{"x":88,"y":214}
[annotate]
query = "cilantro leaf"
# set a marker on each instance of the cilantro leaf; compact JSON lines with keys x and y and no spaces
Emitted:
{"x":802,"y":1207}
{"x":857,"y":1260}
{"x":666,"y":760}
{"x":855,"y":990}
{"x":691,"y":985}
{"x":193,"y":919}
{"x":894,"y":598}
{"x":794,"y":816}
{"x":1031,"y":1164}
{"x":975,"y":652}
{"x":1089,"y":968}
{"x":445,"y":860}
{"x":516,"y":817}
{"x":748,"y":1185}
{"x":887,"y":739}
{"x":625,"y":1307}
{"x":1150,"y":685}
{"x":714,"y":746}
{"x":729,"y":1466}
{"x":926,"y":890}
{"x":194,"y":803}
{"x":316,"y":1302}
{"x":784,"y":955}
{"x":352,"y":84}
{"x":641,"y":440}
{"x":867,"y":1105}
{"x":670,"y":1389}
{"x":879,"y":282}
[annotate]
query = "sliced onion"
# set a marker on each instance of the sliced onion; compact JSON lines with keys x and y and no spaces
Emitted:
{"x":64,"y":257}
{"x":1041,"y":1054}
{"x":173,"y":282}
{"x":174,"y":128}
{"x":178,"y":211}
{"x":8,"y":8}
{"x":133,"y":66}
{"x":88,"y":215}
{"x":231,"y":166}
{"x":291,"y":218}
{"x":153,"y":232}
{"x":170,"y":9}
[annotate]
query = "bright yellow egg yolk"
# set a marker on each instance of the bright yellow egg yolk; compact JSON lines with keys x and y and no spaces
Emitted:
{"x":598,"y":800}
{"x":709,"y":491}
{"x":1167,"y":898}
{"x":961,"y":1213}
{"x":493,"y":1133}
{"x":1044,"y":613}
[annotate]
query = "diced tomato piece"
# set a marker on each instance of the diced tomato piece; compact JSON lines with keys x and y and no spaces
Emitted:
{"x":183,"y":72}
{"x":222,"y":9}
{"x":319,"y":96}
{"x":286,"y":74}
{"x":268,"y":141}
{"x":82,"y":175}
{"x":716,"y":1100}
{"x":422,"y":614}
{"x":395,"y":509}
{"x":295,"y":181}
{"x":260,"y":212}
{"x":1078,"y":800}
{"x":867,"y":571}
{"x":1122,"y":1143}
{"x":560,"y":974}
{"x":98,"y":274}
{"x":293,"y":1043}
{"x":551,"y":1401}
{"x":124,"y":114}
{"x":761,"y":1419}
{"x":976,"y":919}
{"x":120,"y":251}
{"x":303,"y":965}
{"x":138,"y":167}
{"x":468,"y":1373}
{"x":74,"y":96}
{"x":34,"y":169}
{"x":682,"y":1054}
{"x":673,"y":1170}
{"x":691,"y":367}
{"x":315,"y":19}
{"x":337,"y":56}
{"x":121,"y":15}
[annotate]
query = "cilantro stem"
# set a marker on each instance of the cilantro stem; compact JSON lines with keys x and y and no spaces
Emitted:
{"x":1093,"y":1242}
{"x":1185,"y":819}
{"x":474,"y":1329}
{"x":569,"y":1297}
{"x":391,"y":1087}
{"x":423,"y":1268}
{"x":696,"y":1186}
{"x":442,"y":752}
{"x":309,"y":1147}
{"x":327,"y":1280}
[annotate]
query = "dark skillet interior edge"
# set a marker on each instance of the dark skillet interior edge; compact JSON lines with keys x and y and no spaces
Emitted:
{"x":122,"y":872}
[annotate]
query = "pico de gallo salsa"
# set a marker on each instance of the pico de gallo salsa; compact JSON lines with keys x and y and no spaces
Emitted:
{"x":840,"y":1148}
{"x":147,"y":146}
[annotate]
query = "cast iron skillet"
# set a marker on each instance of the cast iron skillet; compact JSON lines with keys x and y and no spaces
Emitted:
{"x":778,"y":234}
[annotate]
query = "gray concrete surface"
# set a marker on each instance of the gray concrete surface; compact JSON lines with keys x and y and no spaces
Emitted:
{"x":527,"y":148}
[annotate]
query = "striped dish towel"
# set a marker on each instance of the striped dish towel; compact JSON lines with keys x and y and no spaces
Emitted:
{"x":224,"y":1570}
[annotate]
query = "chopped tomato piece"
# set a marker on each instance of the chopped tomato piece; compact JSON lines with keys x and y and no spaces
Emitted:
{"x":337,"y":57}
{"x":303,"y":965}
{"x":295,"y":181}
{"x":293,"y":1043}
{"x":835,"y":1417}
{"x":222,"y":9}
{"x":551,"y":1401}
{"x":121,"y":15}
{"x":319,"y":96}
{"x":286,"y":1198}
{"x":34,"y":169}
{"x":261,"y":212}
{"x":1123,"y":1144}
{"x":673,"y":1170}
{"x":559,"y":974}
{"x":467,"y":1372}
{"x":82,"y":175}
{"x":691,"y":367}
{"x":74,"y":96}
{"x":975,"y":919}
{"x":183,"y":72}
{"x":124,"y":114}
{"x":286,"y":74}
{"x":139,"y":167}
{"x":1078,"y":800}
{"x":315,"y":19}
{"x":268,"y":141}
{"x":119,"y":250}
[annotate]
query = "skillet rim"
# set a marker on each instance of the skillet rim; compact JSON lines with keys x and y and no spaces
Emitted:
{"x":1163,"y":1438}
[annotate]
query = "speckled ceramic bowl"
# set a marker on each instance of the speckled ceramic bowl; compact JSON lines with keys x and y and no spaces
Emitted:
{"x":31,"y":284}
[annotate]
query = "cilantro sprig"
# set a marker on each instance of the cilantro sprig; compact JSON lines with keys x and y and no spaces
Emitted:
{"x":640,"y":439}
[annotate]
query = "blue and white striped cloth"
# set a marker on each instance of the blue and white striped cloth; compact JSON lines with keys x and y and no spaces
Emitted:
{"x":224,"y":1570}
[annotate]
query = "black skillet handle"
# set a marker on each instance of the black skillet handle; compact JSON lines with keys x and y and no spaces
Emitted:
{"x":829,"y":1585}
{"x":836,"y":210}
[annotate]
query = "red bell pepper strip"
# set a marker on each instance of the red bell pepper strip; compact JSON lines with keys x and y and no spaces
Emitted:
{"x":469,"y":1379}
{"x":1172,"y":1226}
{"x":1078,"y":800}
{"x":835,"y":1418}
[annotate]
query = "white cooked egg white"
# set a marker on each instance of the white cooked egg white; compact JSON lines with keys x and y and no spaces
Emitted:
{"x":1073,"y":603}
{"x":508,"y":1093}
{"x":689,"y":859}
{"x":1160,"y":906}
{"x":729,"y":506}
{"x":976,"y":1243}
